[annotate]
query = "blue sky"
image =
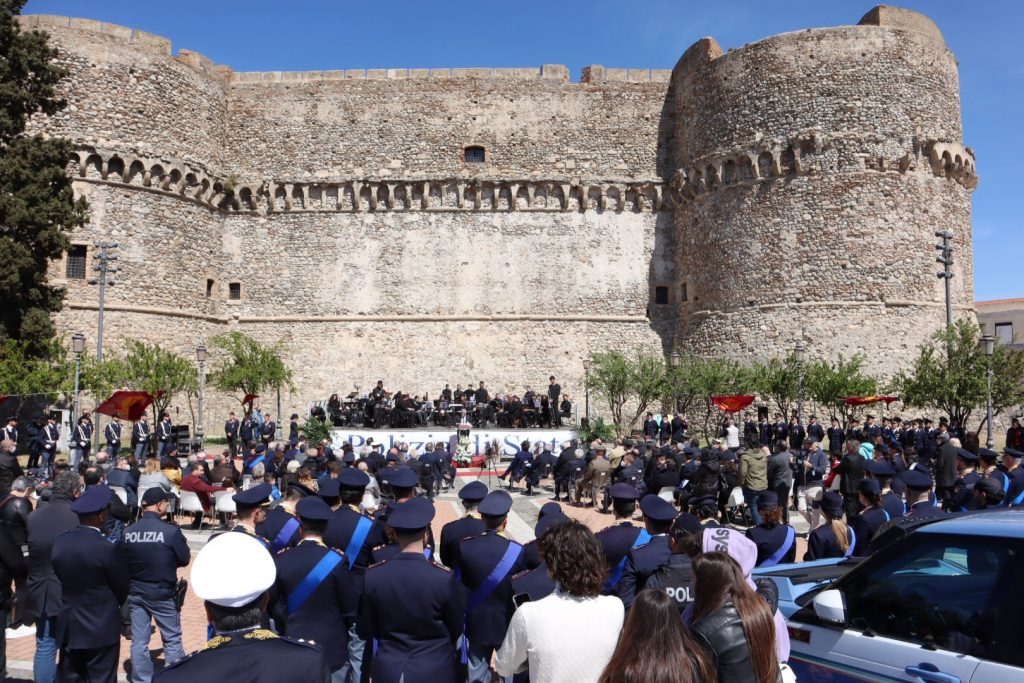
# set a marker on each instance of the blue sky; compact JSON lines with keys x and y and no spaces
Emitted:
{"x":272,"y":35}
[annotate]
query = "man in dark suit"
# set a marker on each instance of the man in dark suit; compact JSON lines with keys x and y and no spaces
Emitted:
{"x":554,"y":391}
{"x":94,"y":578}
{"x":268,"y":430}
{"x":486,"y":566}
{"x":43,"y":587}
{"x":471,"y":525}
{"x":231,"y":427}
{"x":851,"y":470}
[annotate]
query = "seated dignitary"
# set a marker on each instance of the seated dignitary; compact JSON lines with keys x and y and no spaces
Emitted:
{"x":644,"y":560}
{"x":315,"y":597}
{"x":453,"y":532}
{"x":412,"y":607}
{"x":232,"y":574}
{"x":154,"y":550}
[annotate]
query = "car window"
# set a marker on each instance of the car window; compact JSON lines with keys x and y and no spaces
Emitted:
{"x":938,"y":591}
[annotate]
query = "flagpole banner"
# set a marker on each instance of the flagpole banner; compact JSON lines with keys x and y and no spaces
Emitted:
{"x":868,"y":400}
{"x":509,"y":440}
{"x":731,"y":404}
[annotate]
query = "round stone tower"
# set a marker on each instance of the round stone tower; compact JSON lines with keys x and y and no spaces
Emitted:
{"x":814,"y":169}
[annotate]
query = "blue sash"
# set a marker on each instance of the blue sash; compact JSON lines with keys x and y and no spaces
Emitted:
{"x":284,"y":535}
{"x":886,"y":513}
{"x":313,"y":579}
{"x":853,"y":542}
{"x":1018,"y":500}
{"x":485,"y":589}
{"x":256,"y":461}
{"x":783,"y":549}
{"x":355,"y":544}
{"x":1006,"y":489}
{"x":616,"y":574}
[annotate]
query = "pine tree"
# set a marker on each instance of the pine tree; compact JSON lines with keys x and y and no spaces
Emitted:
{"x":37,"y":205}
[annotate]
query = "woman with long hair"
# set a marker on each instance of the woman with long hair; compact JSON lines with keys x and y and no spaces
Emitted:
{"x":833,"y":538}
{"x":655,"y":647}
{"x":576,"y":610}
{"x":732,"y":622}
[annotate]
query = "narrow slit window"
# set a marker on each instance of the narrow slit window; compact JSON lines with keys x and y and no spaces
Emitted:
{"x":684,"y":295}
{"x":209,"y":288}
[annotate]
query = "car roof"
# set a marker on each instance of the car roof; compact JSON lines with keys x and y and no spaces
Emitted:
{"x":1005,"y":523}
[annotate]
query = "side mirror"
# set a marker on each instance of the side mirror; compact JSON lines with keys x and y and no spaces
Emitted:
{"x":830,"y":606}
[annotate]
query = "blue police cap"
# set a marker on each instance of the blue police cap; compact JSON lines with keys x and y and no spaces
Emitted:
{"x":987,"y":454}
{"x":989,"y":485}
{"x":549,"y":508}
{"x":313,"y":509}
{"x":703,"y":501}
{"x":473,"y":492}
{"x":411,"y":515}
{"x":403,"y":478}
{"x":965,"y":455}
{"x":916,"y":479}
{"x":831,"y":502}
{"x":329,"y":489}
{"x":495,"y":504}
{"x":154,"y":495}
{"x":869,"y":486}
{"x":1013,"y":453}
{"x":353,"y":479}
{"x":768,"y":500}
{"x":622,"y":491}
{"x":658,"y":509}
{"x":882,"y":448}
{"x":254,"y":497}
{"x":92,"y":500}
{"x":880,"y":468}
{"x":687,"y":523}
{"x":262,"y":448}
{"x":548,"y":521}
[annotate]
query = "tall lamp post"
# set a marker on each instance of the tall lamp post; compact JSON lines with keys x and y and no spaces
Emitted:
{"x":798,"y":356}
{"x":586,"y":391}
{"x":77,"y":346}
{"x":201,"y":359}
{"x":674,"y":361}
{"x":988,"y":346}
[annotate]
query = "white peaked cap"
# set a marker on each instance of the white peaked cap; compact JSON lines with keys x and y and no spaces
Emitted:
{"x":232,"y":570}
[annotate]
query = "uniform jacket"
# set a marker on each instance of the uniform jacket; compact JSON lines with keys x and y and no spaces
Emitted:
{"x":769,"y":540}
{"x":641,"y":562}
{"x":253,"y":656}
{"x":675,"y":577}
{"x":822,"y":544}
{"x":616,"y":541}
{"x":112,"y":434}
{"x":865,"y":526}
{"x":94,"y":577}
{"x":479,"y":555}
{"x":339,"y":534}
{"x":273,"y":525}
{"x":154,"y":550}
{"x":44,"y":526}
{"x":452,"y":535}
{"x":140,"y":432}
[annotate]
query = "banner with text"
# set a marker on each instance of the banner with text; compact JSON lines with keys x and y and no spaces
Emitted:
{"x":508,"y":439}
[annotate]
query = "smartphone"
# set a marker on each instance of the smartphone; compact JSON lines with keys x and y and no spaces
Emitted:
{"x":520,"y":599}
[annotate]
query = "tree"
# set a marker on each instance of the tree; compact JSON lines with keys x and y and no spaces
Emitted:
{"x":949,"y":374}
{"x":717,"y":377}
{"x":779,"y":381}
{"x":37,"y":204}
{"x":250,"y":367}
{"x":619,"y":379}
{"x":44,"y":371}
{"x":154,"y":369}
{"x":828,"y":383}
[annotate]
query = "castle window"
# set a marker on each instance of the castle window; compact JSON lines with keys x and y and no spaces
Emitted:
{"x":475,"y":155}
{"x":209,"y":288}
{"x":235,"y":291}
{"x":76,"y":262}
{"x":684,"y":295}
{"x":661,"y":295}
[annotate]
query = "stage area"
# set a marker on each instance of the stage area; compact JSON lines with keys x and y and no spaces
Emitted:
{"x":508,"y":440}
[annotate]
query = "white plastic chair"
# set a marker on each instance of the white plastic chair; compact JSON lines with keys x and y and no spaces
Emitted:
{"x":223,"y":502}
{"x":189,"y":502}
{"x":121,"y":493}
{"x":667,"y":493}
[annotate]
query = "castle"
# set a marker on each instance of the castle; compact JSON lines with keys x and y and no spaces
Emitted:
{"x":424,"y":226}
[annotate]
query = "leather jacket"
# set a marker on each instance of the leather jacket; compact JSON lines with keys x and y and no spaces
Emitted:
{"x":722,"y":634}
{"x":14,"y":514}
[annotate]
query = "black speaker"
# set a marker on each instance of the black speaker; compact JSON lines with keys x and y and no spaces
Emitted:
{"x":762,"y":412}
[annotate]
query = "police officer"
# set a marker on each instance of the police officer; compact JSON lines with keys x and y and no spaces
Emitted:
{"x":94,"y":580}
{"x":412,"y":607}
{"x":918,"y":494}
{"x":164,"y":433}
{"x":452,"y":533}
{"x":232,"y":575}
{"x":775,"y":541}
{"x":824,"y":542}
{"x":316,"y":599}
{"x":10,"y":431}
{"x":675,"y":577}
{"x":872,"y":518}
{"x":403,"y":483}
{"x":154,"y":550}
{"x":281,"y":527}
{"x":1015,"y":473}
{"x":141,"y":436}
{"x":48,"y":437}
{"x":644,"y":560}
{"x":621,"y":537}
{"x":883,"y":472}
{"x":486,"y":566}
{"x":355,"y":534}
{"x":112,"y":434}
{"x":550,"y":514}
{"x":988,"y":466}
{"x":962,"y":496}
{"x":250,"y":511}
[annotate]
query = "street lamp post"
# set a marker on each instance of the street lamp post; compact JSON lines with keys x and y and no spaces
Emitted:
{"x":586,"y":392}
{"x":988,"y":346}
{"x":201,"y":358}
{"x":798,"y":356}
{"x":105,"y":269}
{"x":674,"y":360}
{"x":77,"y":346}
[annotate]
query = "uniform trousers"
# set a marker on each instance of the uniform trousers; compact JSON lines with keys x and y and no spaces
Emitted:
{"x":93,"y":665}
{"x":144,"y":610}
{"x":140,"y":450}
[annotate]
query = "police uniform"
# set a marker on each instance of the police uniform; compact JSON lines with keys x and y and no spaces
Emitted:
{"x":919,"y":480}
{"x":452,"y":533}
{"x":534,"y":583}
{"x":962,"y":498}
{"x":94,"y":582}
{"x":620,"y":538}
{"x":675,"y":577}
{"x":1015,"y":494}
{"x":644,"y":560}
{"x":822,"y":542}
{"x":550,"y":514}
{"x":234,"y":571}
{"x":403,"y":478}
{"x":280,"y":529}
{"x":488,"y":617}
{"x":869,"y":521}
{"x":112,"y":434}
{"x":256,"y":496}
{"x":776,"y":544}
{"x":11,"y":429}
{"x":315,"y":597}
{"x":413,"y":608}
{"x":154,"y":550}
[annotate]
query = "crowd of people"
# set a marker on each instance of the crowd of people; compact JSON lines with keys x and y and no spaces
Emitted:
{"x":329,"y":569}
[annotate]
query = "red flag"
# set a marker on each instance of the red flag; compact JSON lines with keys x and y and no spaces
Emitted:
{"x":866,"y":400}
{"x":130,"y":405}
{"x":731,"y":404}
{"x":249,"y":397}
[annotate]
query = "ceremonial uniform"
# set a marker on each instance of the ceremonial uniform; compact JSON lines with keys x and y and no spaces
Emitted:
{"x":163,"y":437}
{"x":253,"y":655}
{"x":822,"y":543}
{"x":453,"y":533}
{"x":140,"y":438}
{"x":894,"y":505}
{"x":112,"y":434}
{"x":534,"y":583}
{"x":675,"y":577}
{"x":616,"y":541}
{"x":866,"y":526}
{"x":641,"y":562}
{"x":775,"y":544}
{"x":280,"y":530}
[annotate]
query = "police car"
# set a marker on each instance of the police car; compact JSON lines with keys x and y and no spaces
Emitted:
{"x":939,"y":602}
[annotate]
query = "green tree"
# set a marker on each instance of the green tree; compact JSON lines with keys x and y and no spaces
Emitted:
{"x":828,"y":383}
{"x":716,"y":377}
{"x":620,"y":379}
{"x":37,"y":204}
{"x":154,"y":369}
{"x":950,"y":371}
{"x":249,"y":367}
{"x":778,"y":380}
{"x":34,"y":370}
{"x":595,"y":429}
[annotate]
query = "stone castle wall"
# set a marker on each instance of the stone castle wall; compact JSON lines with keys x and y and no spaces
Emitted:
{"x":755,"y":186}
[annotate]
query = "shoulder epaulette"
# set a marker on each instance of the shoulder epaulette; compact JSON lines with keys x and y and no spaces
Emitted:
{"x":377,"y":564}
